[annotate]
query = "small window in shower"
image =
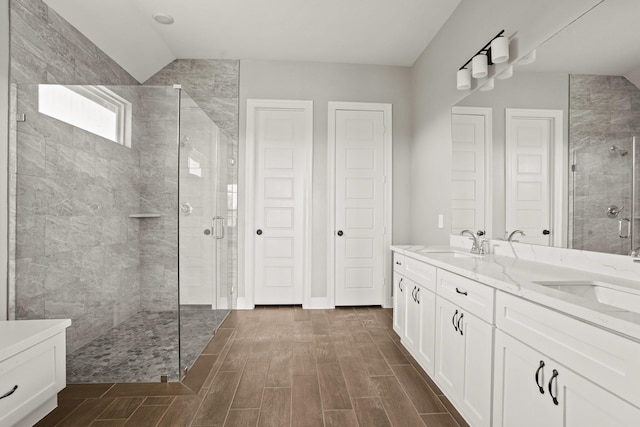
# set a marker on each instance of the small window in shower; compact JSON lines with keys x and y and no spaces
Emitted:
{"x":95,"y":109}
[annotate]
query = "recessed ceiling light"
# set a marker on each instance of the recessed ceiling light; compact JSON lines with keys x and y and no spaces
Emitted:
{"x":163,"y":18}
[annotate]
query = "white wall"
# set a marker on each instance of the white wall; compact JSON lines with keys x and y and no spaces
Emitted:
{"x":473,"y":23}
{"x":322,"y":83}
{"x":4,"y":152}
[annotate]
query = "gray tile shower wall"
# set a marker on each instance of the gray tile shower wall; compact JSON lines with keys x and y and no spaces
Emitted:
{"x":74,"y":251}
{"x":604,"y":111}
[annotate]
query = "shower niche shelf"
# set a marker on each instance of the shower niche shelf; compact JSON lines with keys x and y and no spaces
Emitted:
{"x":145,"y":215}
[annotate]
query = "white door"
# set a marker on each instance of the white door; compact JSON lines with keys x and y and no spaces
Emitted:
{"x":469,"y":190}
{"x":281,"y":136}
{"x":360,"y":239}
{"x":529,"y":175}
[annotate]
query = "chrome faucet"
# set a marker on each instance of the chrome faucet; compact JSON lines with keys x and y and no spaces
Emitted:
{"x":475,"y":248}
{"x":513,"y":233}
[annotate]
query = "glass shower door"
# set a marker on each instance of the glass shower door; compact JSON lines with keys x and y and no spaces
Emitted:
{"x":202,"y":248}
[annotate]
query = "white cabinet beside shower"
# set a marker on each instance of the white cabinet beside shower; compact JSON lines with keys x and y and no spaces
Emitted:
{"x":32,"y":369}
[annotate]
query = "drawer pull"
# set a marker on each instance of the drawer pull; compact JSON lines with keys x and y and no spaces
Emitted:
{"x":460,"y":320}
{"x":398,"y":263}
{"x":10,"y":392}
{"x":400,"y":284}
{"x":554,"y":377}
{"x":541,"y":388}
{"x":461,"y":292}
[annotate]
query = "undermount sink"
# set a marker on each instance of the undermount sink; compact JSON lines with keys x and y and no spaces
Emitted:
{"x":440,"y":250}
{"x":603,"y":293}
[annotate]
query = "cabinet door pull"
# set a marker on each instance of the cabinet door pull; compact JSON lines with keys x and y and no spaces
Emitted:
{"x":460,"y":320}
{"x":538,"y":371}
{"x":418,"y":296}
{"x":400,"y":284}
{"x":10,"y":392}
{"x":554,"y":377}
{"x":398,"y":263}
{"x":461,"y":292}
{"x":453,"y":320}
{"x":413,"y":294}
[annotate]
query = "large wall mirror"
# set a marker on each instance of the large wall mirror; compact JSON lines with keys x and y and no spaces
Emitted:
{"x":550,"y":150}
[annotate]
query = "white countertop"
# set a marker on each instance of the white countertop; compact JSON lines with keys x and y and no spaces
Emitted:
{"x":18,"y":335}
{"x":518,"y":277}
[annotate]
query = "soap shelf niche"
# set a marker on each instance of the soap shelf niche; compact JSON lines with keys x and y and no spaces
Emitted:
{"x":145,"y":215}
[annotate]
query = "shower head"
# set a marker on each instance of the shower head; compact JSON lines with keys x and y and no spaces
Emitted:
{"x":619,"y":150}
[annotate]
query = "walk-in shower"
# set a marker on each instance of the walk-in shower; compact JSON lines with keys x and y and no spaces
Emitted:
{"x":99,"y":177}
{"x":603,"y":129}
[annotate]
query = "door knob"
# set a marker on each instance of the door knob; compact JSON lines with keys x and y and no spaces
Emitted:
{"x":259,"y":232}
{"x":207,"y":231}
{"x":340,"y":233}
{"x":546,"y":232}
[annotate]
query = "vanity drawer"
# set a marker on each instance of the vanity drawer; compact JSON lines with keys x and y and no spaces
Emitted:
{"x":601,"y":356}
{"x":421,"y":273}
{"x":467,"y":294}
{"x":39,"y":374}
{"x":398,"y":262}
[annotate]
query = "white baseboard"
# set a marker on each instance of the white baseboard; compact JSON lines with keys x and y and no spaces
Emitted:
{"x":244,"y":304}
{"x":318,"y":304}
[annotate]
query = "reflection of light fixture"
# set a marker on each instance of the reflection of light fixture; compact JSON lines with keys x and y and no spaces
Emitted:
{"x":530,"y":58}
{"x":506,"y":74}
{"x":464,"y":79}
{"x":499,"y":50}
{"x":479,"y":66}
{"x":496,"y":51}
{"x":163,"y":18}
{"x":489,"y":84}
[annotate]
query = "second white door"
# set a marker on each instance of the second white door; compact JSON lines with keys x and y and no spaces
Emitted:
{"x":359,"y":214}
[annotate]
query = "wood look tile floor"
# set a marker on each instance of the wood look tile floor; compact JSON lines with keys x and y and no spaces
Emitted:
{"x":278,"y":366}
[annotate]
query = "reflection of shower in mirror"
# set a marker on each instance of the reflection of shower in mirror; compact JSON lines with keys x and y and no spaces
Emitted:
{"x":619,"y":150}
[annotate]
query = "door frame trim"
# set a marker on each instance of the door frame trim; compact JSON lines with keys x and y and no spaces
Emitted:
{"x":559,"y":179}
{"x":487,"y":113}
{"x":253,"y":106}
{"x":386,"y":109}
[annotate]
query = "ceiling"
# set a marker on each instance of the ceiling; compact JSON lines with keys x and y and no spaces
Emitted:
{"x":382,"y":32}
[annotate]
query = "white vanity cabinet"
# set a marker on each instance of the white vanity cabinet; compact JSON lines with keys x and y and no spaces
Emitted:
{"x":536,"y":391}
{"x":419,"y":337}
{"x":32,"y":369}
{"x":578,"y":374}
{"x":399,"y":300}
{"x":464,"y":347}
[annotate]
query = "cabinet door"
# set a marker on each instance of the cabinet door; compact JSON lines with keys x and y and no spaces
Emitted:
{"x":412,"y":322}
{"x":517,"y":399}
{"x":449,"y":356}
{"x":476,"y":389}
{"x":426,"y":341}
{"x":399,"y":303}
{"x":588,"y":405}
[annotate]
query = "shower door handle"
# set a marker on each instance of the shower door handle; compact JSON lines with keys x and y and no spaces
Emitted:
{"x":628,"y":221}
{"x":217,"y":224}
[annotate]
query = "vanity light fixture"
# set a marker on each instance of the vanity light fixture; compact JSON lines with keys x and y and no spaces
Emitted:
{"x":480,"y":66}
{"x":506,"y":74}
{"x":494,"y":52}
{"x":163,"y":18}
{"x":463,"y":79}
{"x":487,"y":86}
